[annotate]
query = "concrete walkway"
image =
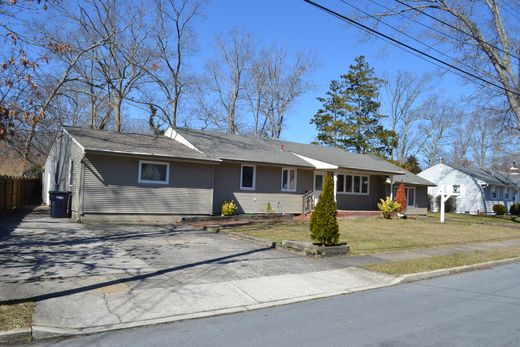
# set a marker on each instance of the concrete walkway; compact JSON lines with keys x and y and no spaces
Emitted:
{"x":91,"y":278}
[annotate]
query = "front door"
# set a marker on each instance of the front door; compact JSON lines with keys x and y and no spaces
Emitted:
{"x":319,"y":179}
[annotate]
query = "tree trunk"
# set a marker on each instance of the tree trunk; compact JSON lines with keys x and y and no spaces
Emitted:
{"x":118,"y":100}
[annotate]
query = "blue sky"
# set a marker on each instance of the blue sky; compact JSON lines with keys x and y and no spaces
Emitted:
{"x":296,"y":25}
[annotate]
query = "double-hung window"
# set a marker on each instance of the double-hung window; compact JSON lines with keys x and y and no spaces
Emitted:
{"x":288,"y":180}
{"x":352,"y":184}
{"x":248,"y":177}
{"x":409,"y":193}
{"x":506,"y":193}
{"x":494,"y":193}
{"x":154,"y":172}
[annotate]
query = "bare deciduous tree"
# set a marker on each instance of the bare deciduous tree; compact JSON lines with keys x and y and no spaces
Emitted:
{"x":404,"y":91}
{"x":481,"y":37}
{"x":230,"y":71}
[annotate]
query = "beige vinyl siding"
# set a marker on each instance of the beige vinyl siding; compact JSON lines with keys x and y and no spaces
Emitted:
{"x":111,"y":187}
{"x":76,"y":155}
{"x":267,"y":189}
{"x":63,"y":151}
{"x":361,"y":202}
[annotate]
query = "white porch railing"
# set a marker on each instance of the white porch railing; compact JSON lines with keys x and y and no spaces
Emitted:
{"x":308,"y":202}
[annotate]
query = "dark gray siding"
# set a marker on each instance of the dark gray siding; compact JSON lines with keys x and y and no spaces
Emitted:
{"x":111,"y":186}
{"x":267,"y":190}
{"x":361,"y":202}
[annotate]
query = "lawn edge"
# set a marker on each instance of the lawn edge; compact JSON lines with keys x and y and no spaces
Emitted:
{"x":48,"y":332}
{"x":419,"y":276}
{"x":15,"y":335}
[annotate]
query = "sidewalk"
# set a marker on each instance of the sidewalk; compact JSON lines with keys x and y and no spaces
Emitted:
{"x":85,"y":279}
{"x":119,"y":306}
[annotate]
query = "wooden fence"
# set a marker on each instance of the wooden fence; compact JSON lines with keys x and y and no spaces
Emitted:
{"x":15,"y":192}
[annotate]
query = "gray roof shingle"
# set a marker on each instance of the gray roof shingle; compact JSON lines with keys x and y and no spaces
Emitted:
{"x":137,"y":144}
{"x":252,"y":149}
{"x":410,"y":178}
{"x":488,"y":176}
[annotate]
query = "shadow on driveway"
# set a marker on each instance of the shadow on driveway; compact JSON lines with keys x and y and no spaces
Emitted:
{"x":57,"y":294}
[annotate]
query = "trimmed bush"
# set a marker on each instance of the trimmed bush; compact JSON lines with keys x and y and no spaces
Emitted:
{"x":400,"y":198}
{"x":388,"y":207}
{"x":229,"y":208}
{"x":324,"y":225}
{"x":499,"y":209}
{"x":515,"y":209}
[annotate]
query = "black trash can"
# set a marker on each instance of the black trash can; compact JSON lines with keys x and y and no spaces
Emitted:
{"x":59,"y":204}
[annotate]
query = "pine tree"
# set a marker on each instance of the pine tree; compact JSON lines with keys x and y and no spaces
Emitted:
{"x":400,"y":197}
{"x":324,"y":225}
{"x":350,"y":116}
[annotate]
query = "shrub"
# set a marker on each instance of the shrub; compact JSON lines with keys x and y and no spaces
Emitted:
{"x":499,"y":209}
{"x":515,"y":209}
{"x":388,"y":207}
{"x":324,"y":225}
{"x":229,"y":208}
{"x":400,"y":198}
{"x":449,"y":206}
{"x":269,"y":208}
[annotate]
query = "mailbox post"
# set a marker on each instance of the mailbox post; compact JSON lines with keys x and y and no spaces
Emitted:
{"x":445,"y":194}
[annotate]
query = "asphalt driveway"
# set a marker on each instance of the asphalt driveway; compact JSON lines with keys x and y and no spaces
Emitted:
{"x":43,"y":258}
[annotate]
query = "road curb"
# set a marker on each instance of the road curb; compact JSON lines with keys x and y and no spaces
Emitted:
{"x":454,"y":270}
{"x":15,"y":335}
{"x":44,"y":332}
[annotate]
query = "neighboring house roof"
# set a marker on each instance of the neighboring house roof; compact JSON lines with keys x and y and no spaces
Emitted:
{"x":253,"y":149}
{"x":488,"y":176}
{"x":135,"y":144}
{"x":410,"y":178}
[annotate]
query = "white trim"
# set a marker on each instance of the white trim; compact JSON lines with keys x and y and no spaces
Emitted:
{"x":71,"y":169}
{"x":319,"y":165}
{"x":254,"y":177}
{"x":174,"y":135}
{"x":74,"y":140}
{"x":289,"y":169}
{"x":345,"y":174}
{"x":139,"y":180}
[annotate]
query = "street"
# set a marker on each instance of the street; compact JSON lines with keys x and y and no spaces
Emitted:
{"x":479,"y":308}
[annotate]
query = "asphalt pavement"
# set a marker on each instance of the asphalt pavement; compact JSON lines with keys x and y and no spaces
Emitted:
{"x":479,"y":308}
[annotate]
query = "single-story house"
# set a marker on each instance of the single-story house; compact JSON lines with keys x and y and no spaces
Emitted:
{"x":477,"y":190}
{"x":118,"y":176}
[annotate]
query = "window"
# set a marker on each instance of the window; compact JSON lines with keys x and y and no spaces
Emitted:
{"x":493,"y":192}
{"x":248,"y":177}
{"x":340,"y":185}
{"x":410,"y":196}
{"x":409,"y":192}
{"x":348,"y":184}
{"x":71,"y":172}
{"x":506,"y":194}
{"x":154,"y":172}
{"x":318,"y":182}
{"x":352,"y":184}
{"x":456,"y":188}
{"x":288,"y":180}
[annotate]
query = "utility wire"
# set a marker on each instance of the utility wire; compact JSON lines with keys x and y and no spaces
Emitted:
{"x":455,"y":28}
{"x":481,"y":73}
{"x":400,"y":13}
{"x":378,"y":33}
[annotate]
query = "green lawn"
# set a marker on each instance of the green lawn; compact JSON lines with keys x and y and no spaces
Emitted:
{"x":443,"y":262}
{"x":479,"y":219}
{"x":16,"y":316}
{"x":377,"y":235}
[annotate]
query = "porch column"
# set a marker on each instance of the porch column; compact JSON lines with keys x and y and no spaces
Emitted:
{"x":335,"y":184}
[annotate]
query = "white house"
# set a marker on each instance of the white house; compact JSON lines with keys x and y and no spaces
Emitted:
{"x":478,"y":189}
